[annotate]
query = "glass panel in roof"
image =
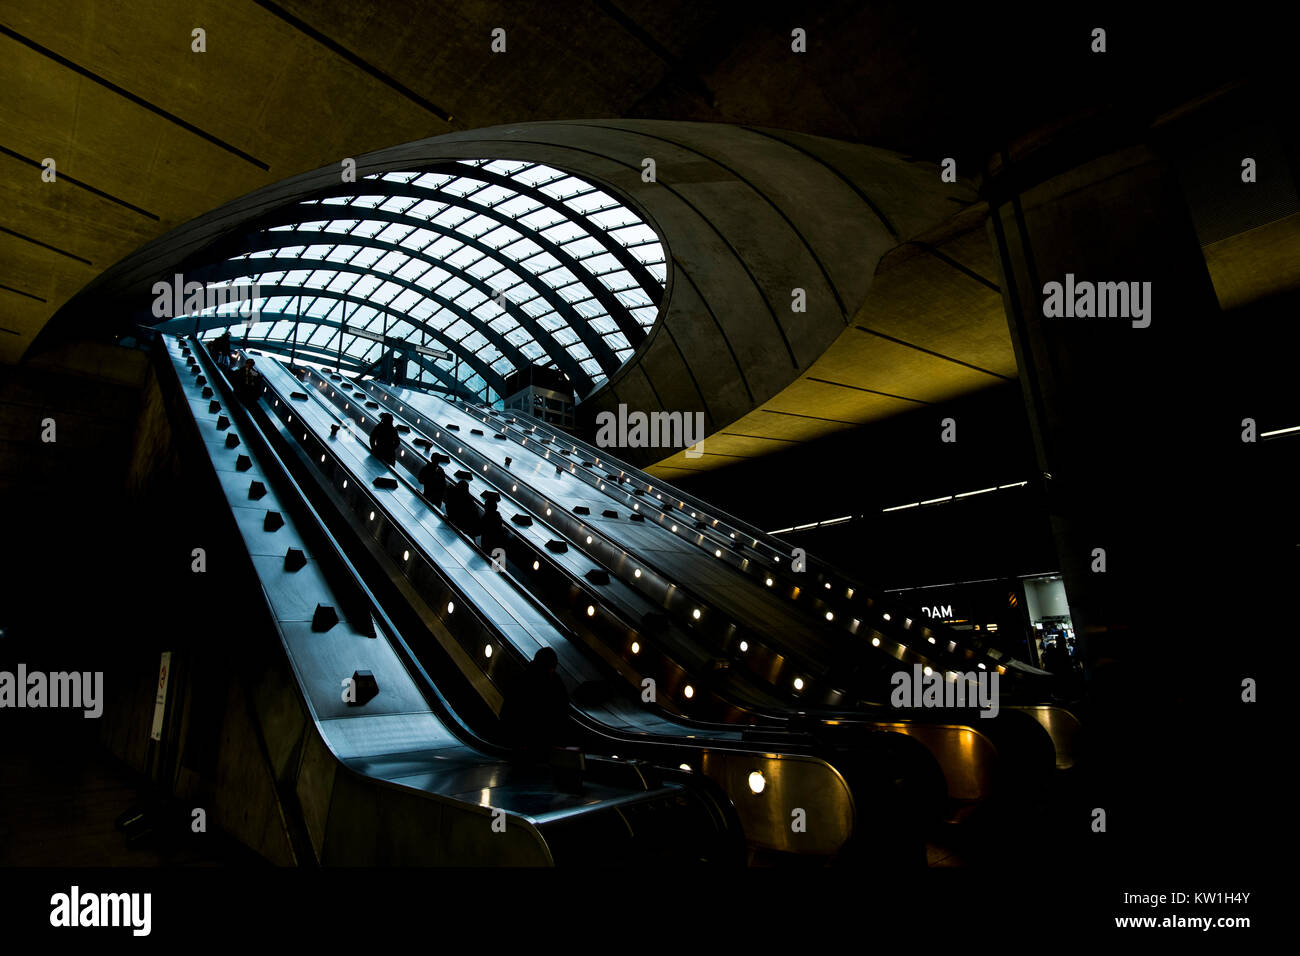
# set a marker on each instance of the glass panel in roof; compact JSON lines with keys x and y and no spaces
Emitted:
{"x":518,"y":265}
{"x":405,"y":301}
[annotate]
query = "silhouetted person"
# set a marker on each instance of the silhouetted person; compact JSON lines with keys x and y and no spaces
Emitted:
{"x":1057,"y":660}
{"x":491,"y":531}
{"x":221,"y":349}
{"x":384,"y":439}
{"x":460,"y":508}
{"x":434,"y":480}
{"x":535,"y":713}
{"x":248,"y":382}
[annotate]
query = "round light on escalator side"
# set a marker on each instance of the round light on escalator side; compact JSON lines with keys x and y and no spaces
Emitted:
{"x":636,"y":648}
{"x":588,"y":539}
{"x":885,"y":616}
{"x":928,"y":670}
{"x":636,"y":573}
{"x":744,"y":646}
{"x":685,"y":766}
{"x":536,"y":565}
{"x":591,"y":610}
{"x":406,"y":555}
{"x":689,"y":691}
{"x":696,"y":614}
{"x":830,"y":615}
{"x":451,"y":608}
{"x":798,"y":683}
{"x":487,"y":650}
{"x":875,"y":642}
{"x":768,"y":582}
{"x":756,"y":781}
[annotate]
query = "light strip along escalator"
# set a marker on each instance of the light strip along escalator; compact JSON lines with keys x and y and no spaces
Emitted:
{"x":815,"y":592}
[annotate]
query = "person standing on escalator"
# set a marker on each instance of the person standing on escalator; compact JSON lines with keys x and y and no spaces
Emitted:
{"x":434,"y":481}
{"x":534,"y":716}
{"x":247,"y":382}
{"x":491,"y":532}
{"x":384,"y":439}
{"x":460,"y":509}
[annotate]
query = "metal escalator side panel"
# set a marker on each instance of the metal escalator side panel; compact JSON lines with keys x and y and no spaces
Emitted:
{"x":335,"y":797}
{"x":803,"y":804}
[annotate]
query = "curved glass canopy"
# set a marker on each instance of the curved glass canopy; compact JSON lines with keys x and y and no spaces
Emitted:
{"x":501,"y":263}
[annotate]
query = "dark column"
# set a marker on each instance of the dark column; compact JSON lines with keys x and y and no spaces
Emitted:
{"x":1117,"y":404}
{"x":1139,"y":442}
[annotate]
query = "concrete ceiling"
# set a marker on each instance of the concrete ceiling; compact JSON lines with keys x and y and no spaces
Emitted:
{"x":148,"y":134}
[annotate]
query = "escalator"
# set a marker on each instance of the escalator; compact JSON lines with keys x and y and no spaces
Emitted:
{"x":789,"y":798}
{"x":387,"y":771}
{"x":765,"y":651}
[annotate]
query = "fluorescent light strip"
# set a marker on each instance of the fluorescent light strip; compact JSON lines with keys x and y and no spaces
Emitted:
{"x":1280,"y":431}
{"x":901,"y":507}
{"x":967,"y":494}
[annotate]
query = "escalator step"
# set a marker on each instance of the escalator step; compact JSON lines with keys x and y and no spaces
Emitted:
{"x":201,"y":380}
{"x":273,"y":522}
{"x":294,"y":560}
{"x":609,"y":513}
{"x":635,"y":516}
{"x":222,"y":423}
{"x":232,"y":440}
{"x":207,"y":393}
{"x":389,"y":484}
{"x":452,"y":428}
{"x":465,"y":475}
{"x":214,"y":406}
{"x":559,"y":547}
{"x":476,"y":431}
{"x":372,"y":404}
{"x":500,"y":437}
{"x":243,"y":463}
{"x":581,"y":510}
{"x":598,"y":576}
{"x":256,"y":490}
{"x":524,"y":521}
{"x":301,"y":396}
